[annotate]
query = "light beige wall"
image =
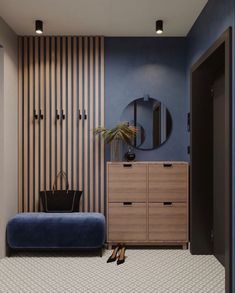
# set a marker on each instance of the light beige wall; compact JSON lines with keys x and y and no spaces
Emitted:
{"x":1,"y":137}
{"x":8,"y":128}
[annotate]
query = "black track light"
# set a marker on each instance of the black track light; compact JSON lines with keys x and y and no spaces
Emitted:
{"x":38,"y":27}
{"x":159,"y":27}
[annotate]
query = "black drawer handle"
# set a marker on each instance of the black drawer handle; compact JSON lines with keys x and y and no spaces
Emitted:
{"x":167,"y":165}
{"x":127,"y":165}
{"x":168,"y":203}
{"x":127,"y":203}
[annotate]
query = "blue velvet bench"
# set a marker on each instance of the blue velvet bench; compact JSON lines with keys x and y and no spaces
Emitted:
{"x":59,"y":231}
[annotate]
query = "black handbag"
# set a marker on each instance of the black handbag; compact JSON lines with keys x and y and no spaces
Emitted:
{"x":60,"y":201}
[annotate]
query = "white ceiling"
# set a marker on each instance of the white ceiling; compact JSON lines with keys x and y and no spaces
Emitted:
{"x":101,"y":17}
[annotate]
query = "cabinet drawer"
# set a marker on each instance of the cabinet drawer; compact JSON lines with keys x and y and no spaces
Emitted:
{"x":127,"y":222}
{"x":168,"y":182}
{"x":168,"y":222}
{"x":127,"y":182}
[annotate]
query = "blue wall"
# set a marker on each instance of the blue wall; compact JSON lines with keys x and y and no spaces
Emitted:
{"x":217,"y":16}
{"x":135,"y":67}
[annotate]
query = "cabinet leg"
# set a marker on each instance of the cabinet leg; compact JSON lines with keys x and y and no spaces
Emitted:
{"x":185,"y":246}
{"x":8,"y":251}
{"x":101,"y":251}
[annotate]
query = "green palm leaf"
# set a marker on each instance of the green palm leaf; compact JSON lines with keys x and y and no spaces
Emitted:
{"x":121,"y":131}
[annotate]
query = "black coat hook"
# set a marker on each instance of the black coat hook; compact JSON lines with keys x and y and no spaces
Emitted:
{"x":35,"y":115}
{"x":62,"y":114}
{"x":79,"y":114}
{"x":40,"y":114}
{"x":85,"y":115}
{"x":57,"y":115}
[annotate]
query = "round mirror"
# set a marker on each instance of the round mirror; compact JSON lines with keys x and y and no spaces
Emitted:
{"x":153,"y":121}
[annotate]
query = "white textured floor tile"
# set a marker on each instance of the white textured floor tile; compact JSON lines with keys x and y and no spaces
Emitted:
{"x":145,"y":271}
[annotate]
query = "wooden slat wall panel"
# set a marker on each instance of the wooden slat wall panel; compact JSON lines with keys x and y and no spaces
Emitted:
{"x":61,"y":74}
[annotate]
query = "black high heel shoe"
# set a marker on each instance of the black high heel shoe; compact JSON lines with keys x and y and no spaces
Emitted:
{"x":121,"y":256}
{"x":113,"y":256}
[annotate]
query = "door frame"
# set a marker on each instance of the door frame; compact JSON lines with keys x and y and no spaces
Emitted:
{"x":226,"y":39}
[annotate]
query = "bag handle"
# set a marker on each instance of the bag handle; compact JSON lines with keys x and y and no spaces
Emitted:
{"x":61,"y":174}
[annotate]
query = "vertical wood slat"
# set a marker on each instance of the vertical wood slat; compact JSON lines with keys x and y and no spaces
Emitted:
{"x":41,"y":119}
{"x":102,"y":159}
{"x":91,"y":118}
{"x":75,"y":113}
{"x":25,"y":129}
{"x":63,"y":108}
{"x":47,"y":125}
{"x":58,"y":101}
{"x":80,"y":122}
{"x":61,"y":73}
{"x":53,"y":112}
{"x":69,"y":113}
{"x":36,"y":124}
{"x":97,"y":124}
{"x":31,"y":128}
{"x":33,"y":125}
{"x":20,"y":134}
{"x":85,"y":124}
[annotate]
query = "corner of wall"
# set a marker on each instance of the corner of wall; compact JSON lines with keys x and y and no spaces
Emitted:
{"x":8,"y":128}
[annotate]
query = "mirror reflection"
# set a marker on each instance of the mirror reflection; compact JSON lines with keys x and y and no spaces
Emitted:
{"x":153,"y":121}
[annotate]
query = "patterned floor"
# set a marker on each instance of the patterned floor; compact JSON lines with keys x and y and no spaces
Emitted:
{"x":145,"y":271}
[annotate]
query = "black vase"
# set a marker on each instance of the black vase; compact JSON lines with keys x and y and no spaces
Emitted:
{"x":130,"y":155}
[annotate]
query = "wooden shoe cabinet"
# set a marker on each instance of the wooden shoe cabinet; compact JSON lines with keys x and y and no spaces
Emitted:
{"x":147,"y":203}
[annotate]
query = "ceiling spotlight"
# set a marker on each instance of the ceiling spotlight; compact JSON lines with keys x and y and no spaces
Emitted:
{"x":38,"y":27}
{"x":159,"y":27}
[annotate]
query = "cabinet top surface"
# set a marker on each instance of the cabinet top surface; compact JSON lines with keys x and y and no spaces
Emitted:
{"x":148,"y":162}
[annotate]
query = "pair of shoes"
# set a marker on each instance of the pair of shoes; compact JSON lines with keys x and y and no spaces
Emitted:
{"x":118,"y":254}
{"x":121,"y":256}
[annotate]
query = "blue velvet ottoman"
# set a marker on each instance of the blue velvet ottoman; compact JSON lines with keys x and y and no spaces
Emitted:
{"x":85,"y":231}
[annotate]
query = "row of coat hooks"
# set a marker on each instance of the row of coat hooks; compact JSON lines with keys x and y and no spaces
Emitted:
{"x":60,"y":115}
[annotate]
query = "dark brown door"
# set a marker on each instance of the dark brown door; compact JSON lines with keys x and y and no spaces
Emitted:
{"x":218,"y":91}
{"x":210,"y":176}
